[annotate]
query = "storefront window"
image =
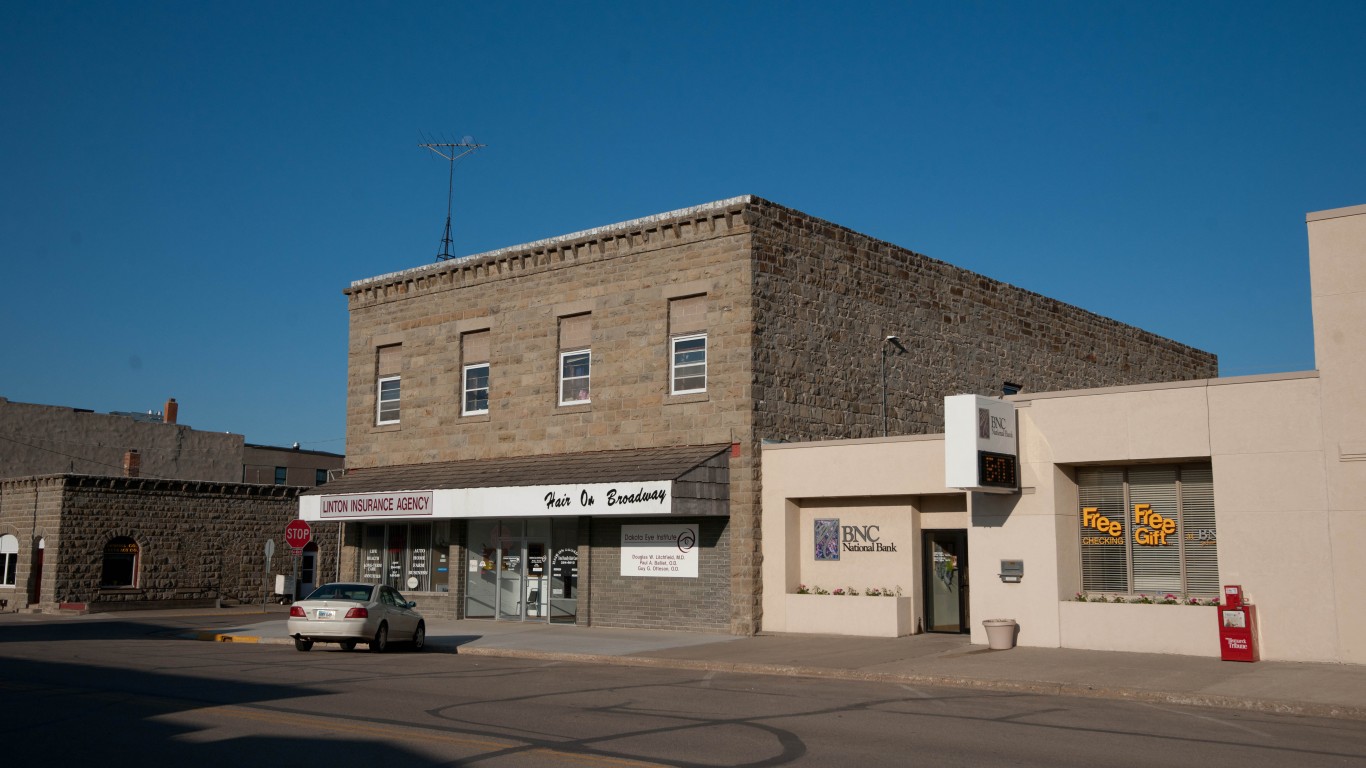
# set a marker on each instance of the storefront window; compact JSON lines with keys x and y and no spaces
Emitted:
{"x":405,"y":556}
{"x":1148,"y":530}
{"x":523,"y":569}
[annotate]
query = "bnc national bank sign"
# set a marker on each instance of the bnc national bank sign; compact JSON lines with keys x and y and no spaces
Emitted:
{"x":651,"y":497}
{"x":981,"y":448}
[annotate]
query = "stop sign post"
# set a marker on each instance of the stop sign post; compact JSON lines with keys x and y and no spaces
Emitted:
{"x":297,"y":535}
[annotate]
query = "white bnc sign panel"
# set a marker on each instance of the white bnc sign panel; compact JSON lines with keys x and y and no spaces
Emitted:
{"x":668,"y":551}
{"x":981,"y":449}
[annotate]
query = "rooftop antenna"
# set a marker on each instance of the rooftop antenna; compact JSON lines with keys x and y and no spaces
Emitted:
{"x":452,"y":151}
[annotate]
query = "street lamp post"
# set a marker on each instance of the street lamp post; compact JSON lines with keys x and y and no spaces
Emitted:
{"x":892,"y":341}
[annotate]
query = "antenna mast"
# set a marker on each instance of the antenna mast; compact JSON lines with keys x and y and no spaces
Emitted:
{"x":452,"y":151}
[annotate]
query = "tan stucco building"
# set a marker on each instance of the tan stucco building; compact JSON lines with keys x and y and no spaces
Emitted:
{"x":1263,"y":480}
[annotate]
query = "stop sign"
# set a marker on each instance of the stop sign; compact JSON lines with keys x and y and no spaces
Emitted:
{"x":298,"y":534}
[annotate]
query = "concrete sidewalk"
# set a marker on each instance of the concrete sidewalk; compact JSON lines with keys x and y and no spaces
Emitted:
{"x":1326,"y":690}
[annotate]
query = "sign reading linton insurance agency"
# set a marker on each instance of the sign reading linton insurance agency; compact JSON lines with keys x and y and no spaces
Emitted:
{"x":653,"y":497}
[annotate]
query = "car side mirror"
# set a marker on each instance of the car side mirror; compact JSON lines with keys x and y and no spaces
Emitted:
{"x":410,"y":604}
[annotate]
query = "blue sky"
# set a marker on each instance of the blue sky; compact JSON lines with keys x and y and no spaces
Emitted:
{"x":186,"y":188}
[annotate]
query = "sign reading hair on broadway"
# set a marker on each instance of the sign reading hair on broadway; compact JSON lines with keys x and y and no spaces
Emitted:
{"x":388,"y":504}
{"x":668,"y":551}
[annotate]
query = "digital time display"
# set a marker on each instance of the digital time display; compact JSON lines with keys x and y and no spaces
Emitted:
{"x":997,"y":470}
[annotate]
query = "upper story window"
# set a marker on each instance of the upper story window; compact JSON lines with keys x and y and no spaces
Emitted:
{"x":689,"y":366}
{"x":574,"y":377}
{"x":319,"y":476}
{"x":576,"y":334}
{"x":688,"y":345}
{"x":9,"y":559}
{"x":281,"y":475}
{"x":388,"y":385}
{"x":474,"y":352}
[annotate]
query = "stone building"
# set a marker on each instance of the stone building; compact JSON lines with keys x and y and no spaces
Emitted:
{"x":569,"y":430}
{"x":106,"y":512}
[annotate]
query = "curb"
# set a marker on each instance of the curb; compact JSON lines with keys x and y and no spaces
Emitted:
{"x":224,"y":637}
{"x":1213,"y":701}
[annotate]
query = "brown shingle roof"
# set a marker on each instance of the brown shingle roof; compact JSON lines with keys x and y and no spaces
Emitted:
{"x":559,"y":469}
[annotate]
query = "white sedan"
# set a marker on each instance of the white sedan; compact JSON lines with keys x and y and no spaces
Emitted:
{"x":355,"y":613}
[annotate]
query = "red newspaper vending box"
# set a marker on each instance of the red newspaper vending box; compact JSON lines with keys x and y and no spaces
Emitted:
{"x":1237,"y":627}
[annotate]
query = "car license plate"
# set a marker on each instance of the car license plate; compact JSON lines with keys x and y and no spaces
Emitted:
{"x":324,"y":613}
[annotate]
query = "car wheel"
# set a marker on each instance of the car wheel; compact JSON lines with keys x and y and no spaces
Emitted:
{"x":348,"y":645}
{"x":301,"y":644}
{"x":381,"y":640}
{"x":420,"y":637}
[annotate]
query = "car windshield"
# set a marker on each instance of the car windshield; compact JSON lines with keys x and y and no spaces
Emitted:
{"x":359,"y":592}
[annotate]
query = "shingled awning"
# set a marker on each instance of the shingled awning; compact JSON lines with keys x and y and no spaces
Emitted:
{"x":642,"y":464}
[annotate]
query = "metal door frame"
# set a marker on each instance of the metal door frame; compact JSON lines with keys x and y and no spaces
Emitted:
{"x":959,"y":536}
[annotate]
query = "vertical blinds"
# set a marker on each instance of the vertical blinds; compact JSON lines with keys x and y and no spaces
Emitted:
{"x":1148,"y":530}
{"x":1104,"y":558}
{"x":1199,"y":536}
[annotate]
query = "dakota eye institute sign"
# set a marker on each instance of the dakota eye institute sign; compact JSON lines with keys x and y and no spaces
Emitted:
{"x":667,"y":551}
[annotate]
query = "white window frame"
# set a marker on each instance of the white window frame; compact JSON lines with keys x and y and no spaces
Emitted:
{"x":380,"y":402}
{"x":587,"y":378}
{"x":674,"y":366}
{"x":466,"y":389}
{"x":9,"y":560}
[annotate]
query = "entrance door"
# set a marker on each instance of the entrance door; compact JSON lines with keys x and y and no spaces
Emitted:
{"x":511,"y":575}
{"x":35,"y":578}
{"x":946,"y":581}
{"x":523,"y":580}
{"x":308,"y":570}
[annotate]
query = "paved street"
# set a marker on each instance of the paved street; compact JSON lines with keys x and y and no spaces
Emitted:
{"x":99,"y":688}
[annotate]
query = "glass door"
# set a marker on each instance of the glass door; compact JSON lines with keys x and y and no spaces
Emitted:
{"x":511,"y":576}
{"x":945,"y":579}
{"x":537,"y":581}
{"x":515,"y":574}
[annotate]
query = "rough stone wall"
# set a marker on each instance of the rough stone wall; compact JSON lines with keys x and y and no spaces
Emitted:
{"x":625,"y":277}
{"x":30,"y":510}
{"x":49,"y":440}
{"x":696,"y":605}
{"x":197,"y":541}
{"x":826,"y":298}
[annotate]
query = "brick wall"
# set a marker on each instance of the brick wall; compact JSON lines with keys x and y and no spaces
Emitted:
{"x":196,"y":540}
{"x":826,"y":297}
{"x":698,"y":605}
{"x":50,"y":440}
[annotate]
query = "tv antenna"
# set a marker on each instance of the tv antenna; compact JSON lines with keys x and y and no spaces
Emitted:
{"x":452,"y":151}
